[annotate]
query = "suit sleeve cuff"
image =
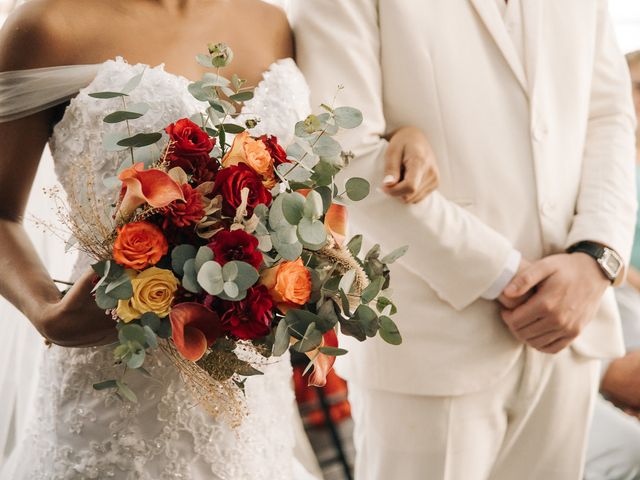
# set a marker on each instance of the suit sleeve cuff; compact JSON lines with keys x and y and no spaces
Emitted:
{"x":509,"y":271}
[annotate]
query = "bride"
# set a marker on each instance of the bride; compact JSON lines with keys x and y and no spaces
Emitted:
{"x":52,"y":51}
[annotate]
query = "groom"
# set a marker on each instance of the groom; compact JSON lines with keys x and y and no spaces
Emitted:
{"x":504,"y":298}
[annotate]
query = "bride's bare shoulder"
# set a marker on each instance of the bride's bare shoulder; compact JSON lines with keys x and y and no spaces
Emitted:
{"x":272,"y":23}
{"x":43,"y":33}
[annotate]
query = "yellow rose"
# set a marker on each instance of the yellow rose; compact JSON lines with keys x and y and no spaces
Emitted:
{"x":153,"y":291}
{"x":253,"y":153}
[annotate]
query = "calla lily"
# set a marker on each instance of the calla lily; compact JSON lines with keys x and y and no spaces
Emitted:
{"x":335,"y":220}
{"x":323,"y":363}
{"x":153,"y":186}
{"x":194,"y":328}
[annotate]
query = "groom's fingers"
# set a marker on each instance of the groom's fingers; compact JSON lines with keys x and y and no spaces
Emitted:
{"x":412,"y":175}
{"x":529,"y":278}
{"x":392,"y":165}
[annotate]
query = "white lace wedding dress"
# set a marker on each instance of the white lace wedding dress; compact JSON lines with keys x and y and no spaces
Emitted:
{"x":76,"y":432}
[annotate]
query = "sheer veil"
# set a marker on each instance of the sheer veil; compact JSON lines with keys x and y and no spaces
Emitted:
{"x":23,"y":93}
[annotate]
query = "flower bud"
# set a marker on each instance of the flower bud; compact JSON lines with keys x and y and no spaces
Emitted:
{"x":221,"y":54}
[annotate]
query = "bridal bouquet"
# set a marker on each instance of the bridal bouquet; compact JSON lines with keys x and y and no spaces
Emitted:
{"x":219,"y":246}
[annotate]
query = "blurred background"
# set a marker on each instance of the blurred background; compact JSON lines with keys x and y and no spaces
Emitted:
{"x":325,"y":412}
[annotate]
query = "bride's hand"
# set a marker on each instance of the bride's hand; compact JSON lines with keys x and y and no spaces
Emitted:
{"x":411,"y":172}
{"x":76,"y":320}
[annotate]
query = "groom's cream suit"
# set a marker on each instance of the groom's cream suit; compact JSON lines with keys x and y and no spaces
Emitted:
{"x":533,"y":126}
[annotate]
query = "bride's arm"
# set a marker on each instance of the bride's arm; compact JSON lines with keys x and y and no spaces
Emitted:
{"x":24,"y":281}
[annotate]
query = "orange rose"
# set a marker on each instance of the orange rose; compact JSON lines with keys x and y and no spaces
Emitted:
{"x":253,"y":153}
{"x":139,"y":245}
{"x":289,"y":284}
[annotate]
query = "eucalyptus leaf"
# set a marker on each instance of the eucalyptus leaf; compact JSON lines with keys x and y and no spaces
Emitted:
{"x":141,"y":140}
{"x":125,"y":392}
{"x":383,"y":303}
{"x":131,"y":332}
{"x":353,"y":329}
{"x":205,"y":60}
{"x":242,"y":96}
{"x":325,"y":195}
{"x":121,"y":116}
{"x":179,"y":256}
{"x":232,"y":128}
{"x":246,"y":275}
{"x":230,"y":271}
{"x":325,"y":146}
{"x":389,"y":331}
{"x":357,"y":188}
{"x":288,"y":251}
{"x":120,"y":288}
{"x":333,"y":351}
{"x":395,"y":255}
{"x":210,"y":278}
{"x":355,"y":245}
{"x":205,"y":254}
{"x":313,"y":205}
{"x":281,"y":343}
{"x":311,"y":339}
{"x":190,"y":277}
{"x":151,"y":320}
{"x":299,"y":320}
{"x":368,"y":318}
{"x":136,"y":360}
{"x":151,"y":337}
{"x":105,"y":385}
{"x":231,"y":289}
{"x":348,"y":117}
{"x":372,"y":290}
{"x":104,"y":301}
{"x":106,"y":95}
{"x":293,"y":206}
{"x":312,"y":232}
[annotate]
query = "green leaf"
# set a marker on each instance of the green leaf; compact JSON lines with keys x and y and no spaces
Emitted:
{"x":205,"y":254}
{"x":231,"y":289}
{"x":299,"y":320}
{"x":281,"y":343}
{"x":326,"y":146}
{"x":141,"y":140}
{"x":133,"y":83}
{"x":346,"y":282}
{"x":277,"y":219}
{"x":313,"y":205}
{"x":120,"y":288}
{"x":348,"y":117}
{"x":355,"y":245}
{"x":204,"y":59}
{"x":232,"y":128}
{"x":165,"y":329}
{"x":344,"y":300}
{"x":287,"y":250}
{"x":151,"y":337}
{"x":136,"y":360}
{"x":210,"y":278}
{"x":327,"y":312}
{"x":105,"y":95}
{"x":121,"y":116}
{"x":312,"y":233}
{"x":353,"y":329}
{"x":383,"y":303}
{"x":357,"y":188}
{"x":395,"y":255}
{"x":151,"y":320}
{"x":368,"y":318}
{"x":104,"y":301}
{"x":246,"y":277}
{"x":105,"y":385}
{"x":126,"y":392}
{"x":389,"y":331}
{"x":131,"y":332}
{"x":325,"y":194}
{"x":372,"y":290}
{"x":179,"y":257}
{"x":230,"y":271}
{"x":333,"y":351}
{"x":311,"y":339}
{"x":293,"y":205}
{"x":190,"y":278}
{"x":242,"y":96}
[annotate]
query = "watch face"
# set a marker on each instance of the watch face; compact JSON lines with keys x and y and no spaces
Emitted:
{"x":611,"y":263}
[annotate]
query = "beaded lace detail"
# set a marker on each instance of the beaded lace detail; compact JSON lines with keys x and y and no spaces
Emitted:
{"x":79,"y":433}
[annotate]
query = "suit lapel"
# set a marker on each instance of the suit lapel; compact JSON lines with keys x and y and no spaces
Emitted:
{"x":532,"y":13}
{"x":490,"y":15}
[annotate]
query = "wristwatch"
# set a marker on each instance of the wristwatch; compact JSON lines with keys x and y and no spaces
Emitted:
{"x":608,"y":260}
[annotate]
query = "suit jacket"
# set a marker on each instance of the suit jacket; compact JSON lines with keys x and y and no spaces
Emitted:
{"x":534,"y":155}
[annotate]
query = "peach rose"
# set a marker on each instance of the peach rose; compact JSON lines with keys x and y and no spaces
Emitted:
{"x":153,"y":291}
{"x":139,"y":245}
{"x":253,"y":153}
{"x":288,"y":283}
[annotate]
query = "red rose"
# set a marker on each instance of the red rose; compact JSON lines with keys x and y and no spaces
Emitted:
{"x":183,"y":214}
{"x":190,"y":150}
{"x":229,"y":183}
{"x":250,"y":318}
{"x":277,"y":153}
{"x":236,"y":245}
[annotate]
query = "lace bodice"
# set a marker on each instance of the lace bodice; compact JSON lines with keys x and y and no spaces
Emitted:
{"x":79,"y":433}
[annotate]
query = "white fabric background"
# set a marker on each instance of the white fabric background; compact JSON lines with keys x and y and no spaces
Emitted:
{"x":21,"y":346}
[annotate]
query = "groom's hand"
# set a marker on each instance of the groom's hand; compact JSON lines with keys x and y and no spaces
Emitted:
{"x":566,"y":290}
{"x":410,"y":171}
{"x":511,"y":303}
